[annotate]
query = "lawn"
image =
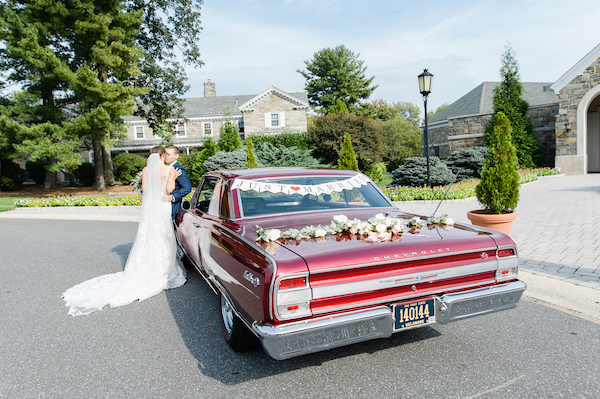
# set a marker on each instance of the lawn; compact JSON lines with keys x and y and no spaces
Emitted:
{"x":7,"y":203}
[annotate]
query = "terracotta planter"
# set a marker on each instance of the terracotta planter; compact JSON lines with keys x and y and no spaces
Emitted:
{"x":494,"y":221}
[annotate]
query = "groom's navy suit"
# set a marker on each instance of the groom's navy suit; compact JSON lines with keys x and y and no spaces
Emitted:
{"x":183,"y":187}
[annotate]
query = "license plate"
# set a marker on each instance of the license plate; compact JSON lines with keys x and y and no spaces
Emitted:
{"x":414,"y":314}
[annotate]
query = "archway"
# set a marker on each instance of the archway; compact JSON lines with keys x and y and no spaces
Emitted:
{"x":588,"y":120}
{"x":593,"y":135}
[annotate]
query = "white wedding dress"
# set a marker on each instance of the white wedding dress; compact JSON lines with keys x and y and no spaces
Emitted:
{"x":152,"y":265}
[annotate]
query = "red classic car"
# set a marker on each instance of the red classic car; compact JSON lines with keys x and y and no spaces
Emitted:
{"x":312,"y":259}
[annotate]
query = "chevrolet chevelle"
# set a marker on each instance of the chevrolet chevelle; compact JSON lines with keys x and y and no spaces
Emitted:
{"x":312,"y":259}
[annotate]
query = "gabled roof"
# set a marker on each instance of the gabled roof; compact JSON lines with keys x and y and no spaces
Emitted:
{"x":300,"y":100}
{"x":210,"y":107}
{"x":577,"y":69}
{"x":480,"y":100}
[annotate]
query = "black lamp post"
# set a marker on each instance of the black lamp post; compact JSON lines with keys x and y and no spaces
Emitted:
{"x":425,"y":81}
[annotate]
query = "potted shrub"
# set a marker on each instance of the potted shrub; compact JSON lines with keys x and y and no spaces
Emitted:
{"x":498,"y":190}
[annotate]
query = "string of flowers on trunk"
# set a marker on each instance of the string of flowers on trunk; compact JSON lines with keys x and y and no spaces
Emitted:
{"x":378,"y":228}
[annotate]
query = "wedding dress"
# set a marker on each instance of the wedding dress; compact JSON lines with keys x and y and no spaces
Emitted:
{"x":152,"y":265}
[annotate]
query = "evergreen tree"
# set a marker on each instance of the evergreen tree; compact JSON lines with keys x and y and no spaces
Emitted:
{"x":250,"y":157}
{"x":230,"y":135}
{"x":498,"y":189}
{"x":347,"y":159}
{"x":508,"y":100}
{"x":35,"y":56}
{"x":336,"y":74}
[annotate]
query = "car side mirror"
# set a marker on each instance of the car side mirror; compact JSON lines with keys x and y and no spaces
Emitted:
{"x":186,"y":205}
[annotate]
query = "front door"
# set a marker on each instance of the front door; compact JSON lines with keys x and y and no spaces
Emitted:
{"x":593,"y":140}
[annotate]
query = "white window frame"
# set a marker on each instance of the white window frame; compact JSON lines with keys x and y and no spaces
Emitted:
{"x":269,"y":120}
{"x":135,"y":132}
{"x":204,"y":125}
{"x":177,"y":131}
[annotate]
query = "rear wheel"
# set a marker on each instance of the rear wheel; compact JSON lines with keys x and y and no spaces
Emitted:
{"x":235,"y":332}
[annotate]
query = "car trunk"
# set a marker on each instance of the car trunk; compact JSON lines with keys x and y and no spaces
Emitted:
{"x":348,"y":271}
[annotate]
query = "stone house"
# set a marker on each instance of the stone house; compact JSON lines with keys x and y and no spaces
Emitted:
{"x":272,"y":111}
{"x":565,"y":113}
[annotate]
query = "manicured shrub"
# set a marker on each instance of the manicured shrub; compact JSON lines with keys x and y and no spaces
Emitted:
{"x":498,"y":189}
{"x":85,"y":174}
{"x":347,"y":159}
{"x":376,"y":171}
{"x":414,"y":172}
{"x":469,"y":161}
{"x":126,"y":166}
{"x":250,"y":157}
{"x":270,"y":155}
{"x":226,"y":160}
{"x":284,"y":139}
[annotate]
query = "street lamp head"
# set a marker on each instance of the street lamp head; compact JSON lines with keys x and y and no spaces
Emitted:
{"x":425,"y":82}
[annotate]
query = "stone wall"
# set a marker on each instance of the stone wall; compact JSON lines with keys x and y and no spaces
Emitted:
{"x":569,"y":98}
{"x":468,"y":131}
{"x":254,"y":121}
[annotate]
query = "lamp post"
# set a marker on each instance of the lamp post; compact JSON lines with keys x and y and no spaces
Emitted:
{"x":425,"y":81}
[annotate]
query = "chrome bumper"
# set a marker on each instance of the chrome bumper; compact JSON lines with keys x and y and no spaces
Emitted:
{"x":295,"y":339}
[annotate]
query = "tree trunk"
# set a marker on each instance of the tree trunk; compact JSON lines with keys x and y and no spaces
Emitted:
{"x":109,"y":177}
{"x":99,"y":165}
{"x":50,"y":180}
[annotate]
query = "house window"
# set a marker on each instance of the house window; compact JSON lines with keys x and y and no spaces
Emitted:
{"x":274,"y":120}
{"x":241,"y":126}
{"x":180,"y":130}
{"x":139,"y":132}
{"x":207,"y":128}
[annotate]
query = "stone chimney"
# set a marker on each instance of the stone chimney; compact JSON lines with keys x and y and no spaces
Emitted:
{"x":209,"y":89}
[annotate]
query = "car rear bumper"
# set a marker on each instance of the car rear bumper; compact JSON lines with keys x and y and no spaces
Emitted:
{"x":295,"y":339}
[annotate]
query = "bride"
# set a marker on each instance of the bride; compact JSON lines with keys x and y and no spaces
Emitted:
{"x":152,"y":265}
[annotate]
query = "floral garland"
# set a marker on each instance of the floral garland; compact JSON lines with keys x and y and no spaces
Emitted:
{"x":378,"y":228}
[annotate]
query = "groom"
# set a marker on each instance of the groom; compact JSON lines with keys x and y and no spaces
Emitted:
{"x":183,"y":186}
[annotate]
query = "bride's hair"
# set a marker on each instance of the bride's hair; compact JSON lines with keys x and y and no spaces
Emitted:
{"x":158,"y":150}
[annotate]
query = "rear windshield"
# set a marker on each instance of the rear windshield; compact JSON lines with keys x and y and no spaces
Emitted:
{"x":307,"y":194}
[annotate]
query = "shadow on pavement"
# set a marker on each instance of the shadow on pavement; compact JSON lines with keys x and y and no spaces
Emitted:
{"x":195,"y":310}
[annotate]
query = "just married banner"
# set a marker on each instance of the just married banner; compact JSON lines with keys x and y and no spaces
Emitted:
{"x":325,"y":188}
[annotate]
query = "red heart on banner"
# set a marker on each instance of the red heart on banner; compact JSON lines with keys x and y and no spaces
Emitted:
{"x":295,"y":188}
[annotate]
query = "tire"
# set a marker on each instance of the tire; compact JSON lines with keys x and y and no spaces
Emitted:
{"x":235,"y":332}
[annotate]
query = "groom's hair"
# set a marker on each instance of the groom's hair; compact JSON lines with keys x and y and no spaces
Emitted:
{"x":174,"y":148}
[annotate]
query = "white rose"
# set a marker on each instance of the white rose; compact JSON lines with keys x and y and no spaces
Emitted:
{"x":273,"y":235}
{"x":381,"y":227}
{"x":340,"y":218}
{"x":449,"y":222}
{"x":320,"y":233}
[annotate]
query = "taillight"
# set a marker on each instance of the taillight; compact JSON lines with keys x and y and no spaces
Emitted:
{"x":296,"y":282}
{"x":508,"y":264}
{"x":502,"y":253}
{"x":293,"y":296}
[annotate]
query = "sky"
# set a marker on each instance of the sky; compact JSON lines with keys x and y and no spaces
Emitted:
{"x":250,"y":45}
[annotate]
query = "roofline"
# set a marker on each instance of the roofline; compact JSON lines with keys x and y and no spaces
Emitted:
{"x":293,"y":99}
{"x":576,"y":69}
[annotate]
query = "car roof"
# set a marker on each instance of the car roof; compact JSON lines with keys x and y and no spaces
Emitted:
{"x":264,"y":173}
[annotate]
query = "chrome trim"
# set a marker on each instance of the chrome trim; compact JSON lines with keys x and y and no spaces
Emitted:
{"x":400,"y":280}
{"x":453,"y":307}
{"x":415,"y":294}
{"x":275,"y":284}
{"x":396,"y":260}
{"x":295,"y":339}
{"x":328,"y":332}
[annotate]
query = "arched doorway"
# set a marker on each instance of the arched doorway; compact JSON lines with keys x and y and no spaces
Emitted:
{"x":593,"y":136}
